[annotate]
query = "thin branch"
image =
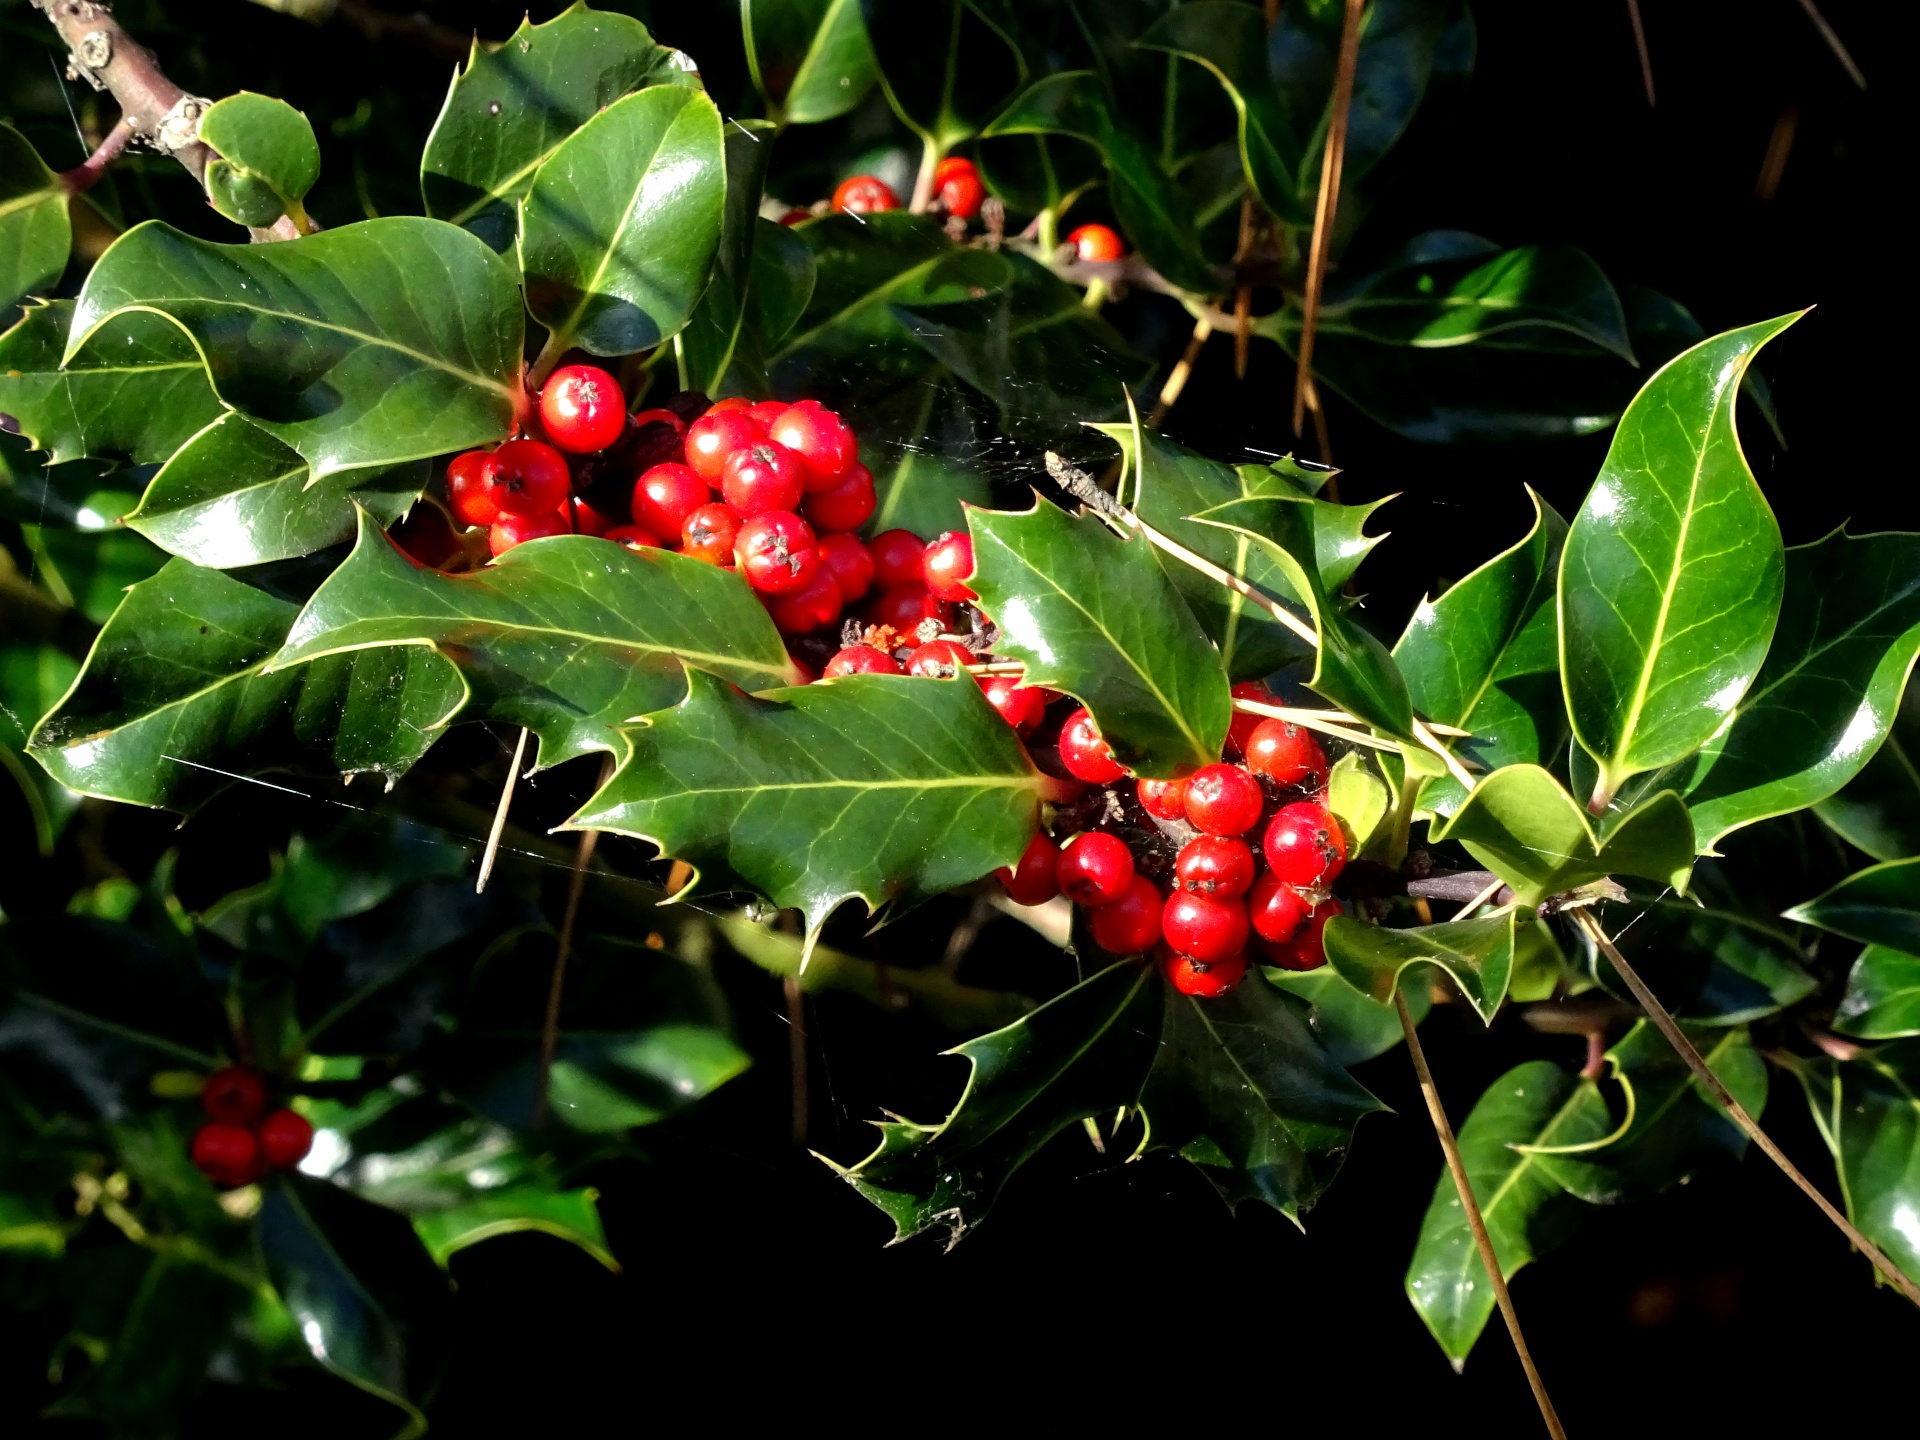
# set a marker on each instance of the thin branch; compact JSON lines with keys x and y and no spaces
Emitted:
{"x":1677,"y":1038}
{"x":1181,"y":372}
{"x":1779,"y":148}
{"x":1454,"y":768}
{"x":1640,"y":44}
{"x":87,"y":173}
{"x":1330,"y":166}
{"x":1475,"y":1222}
{"x":1833,"y":42}
{"x":500,"y":813}
{"x":101,"y":53}
{"x":797,"y":1055}
{"x":1312,"y":720}
{"x":1243,"y":294}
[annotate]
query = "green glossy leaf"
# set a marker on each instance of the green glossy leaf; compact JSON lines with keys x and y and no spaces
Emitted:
{"x":33,"y":677}
{"x":1719,"y":962}
{"x":781,"y":283}
{"x":811,"y":60}
{"x":1244,"y":1090}
{"x":715,"y":330}
{"x":1525,"y":1210}
{"x":1868,"y":1111}
{"x":925,"y":454}
{"x":1882,"y":1001}
{"x":513,"y":106}
{"x":268,"y":158}
{"x":91,"y":569}
{"x":1351,"y":1027}
{"x":324,"y":341}
{"x":1093,"y":614}
{"x":619,"y":229}
{"x":1478,"y":954}
{"x":946,"y":65}
{"x":175,"y":700}
{"x":34,"y":231}
{"x":1358,"y":799}
{"x":135,"y":391}
{"x":1671,"y":578}
{"x":887,"y":788}
{"x":233,"y":495}
{"x":1878,"y":811}
{"x":1540,"y":966}
{"x":1879,"y":906}
{"x":572,"y":637}
{"x":1485,"y":657}
{"x":1084,"y":1053}
{"x":1522,"y":824}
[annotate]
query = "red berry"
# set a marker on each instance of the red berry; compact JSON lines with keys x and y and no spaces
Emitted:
{"x":823,"y":441}
{"x":1223,"y":800}
{"x":953,"y":165}
{"x":660,"y":417}
{"x":1095,"y":868}
{"x":898,"y":558}
{"x":776,"y":553}
{"x":582,"y":409}
{"x":961,"y":194}
{"x":939,"y":660}
{"x":666,"y":495}
{"x":527,"y":477}
{"x":227,"y":1154}
{"x":1276,"y":910}
{"x":1206,"y":927}
{"x":864,"y":195}
{"x":1215,"y":865}
{"x":709,"y":534}
{"x":1021,"y":706}
{"x":947,"y":563}
{"x":904,"y":607}
{"x":235,"y":1095}
{"x":848,"y":505}
{"x":761,"y":477}
{"x":1243,"y":724}
{"x":285,"y":1138}
{"x":1084,"y":753}
{"x":1096,"y":242}
{"x":814,"y":604}
{"x":715,"y":436}
{"x":1033,"y":881}
{"x":1130,"y":924}
{"x":767,"y":411}
{"x":1304,"y":845}
{"x":587,"y":520}
{"x":1309,"y":950}
{"x":1288,"y":755}
{"x":634,"y":537}
{"x":467,"y":489}
{"x":732,"y":402}
{"x":511,"y":530}
{"x":1164,"y":798}
{"x":860,"y":660}
{"x":1201,"y":980}
{"x":847,"y":560}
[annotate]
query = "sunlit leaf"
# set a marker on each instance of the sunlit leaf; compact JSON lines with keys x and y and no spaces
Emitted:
{"x":811,"y":60}
{"x":34,"y":232}
{"x":1882,"y":1001}
{"x":1478,"y":954}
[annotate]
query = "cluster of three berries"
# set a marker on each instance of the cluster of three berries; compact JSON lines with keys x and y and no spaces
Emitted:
{"x":243,"y":1138}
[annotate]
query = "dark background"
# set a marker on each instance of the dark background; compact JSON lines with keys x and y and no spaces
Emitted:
{"x":756,"y":1284}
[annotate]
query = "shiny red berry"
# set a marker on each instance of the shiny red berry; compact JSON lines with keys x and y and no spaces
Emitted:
{"x":715,"y":436}
{"x":587,"y":520}
{"x":1288,"y":755}
{"x":1130,"y":924}
{"x":467,"y":489}
{"x":1033,"y":880}
{"x":1096,"y":242}
{"x":634,"y":537}
{"x":823,"y":441}
{"x":1223,"y":800}
{"x":904,"y":607}
{"x":1214,"y":865}
{"x":285,"y":1138}
{"x":953,"y":165}
{"x":1021,"y":706}
{"x":814,"y":604}
{"x":847,"y":560}
{"x":1309,"y":950}
{"x":1207,"y":927}
{"x":1202,"y":980}
{"x":776,"y":552}
{"x":666,"y":495}
{"x":946,"y":564}
{"x":227,"y":1154}
{"x":848,"y":505}
{"x":511,"y":530}
{"x":582,"y":409}
{"x":898,"y":558}
{"x":1166,"y":799}
{"x":1084,"y":753}
{"x":660,"y":417}
{"x":709,"y":534}
{"x":1243,"y":724}
{"x":235,"y":1095}
{"x":1095,"y":868}
{"x":731,"y":402}
{"x":767,"y":411}
{"x":939,"y":660}
{"x":860,"y":660}
{"x":1304,"y":845}
{"x":527,"y":477}
{"x":863,"y":195}
{"x":761,"y":477}
{"x":961,"y":194}
{"x":1276,"y":910}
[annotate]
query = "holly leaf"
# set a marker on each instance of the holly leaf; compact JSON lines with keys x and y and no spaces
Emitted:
{"x":1351,"y":1027}
{"x":810,"y":60}
{"x":233,"y":495}
{"x":1083,"y":1053}
{"x":716,"y":328}
{"x":619,"y":229}
{"x":946,"y":65}
{"x":1525,"y":1210}
{"x":1878,"y":906}
{"x":1485,"y":657}
{"x":572,"y":637}
{"x":267,"y":161}
{"x":513,"y":105}
{"x":175,"y":699}
{"x":35,"y":234}
{"x":1868,"y":1111}
{"x":1093,"y":614}
{"x":1478,"y":954}
{"x":927,"y":462}
{"x":1721,"y":959}
{"x":1358,"y":799}
{"x":891,"y":789}
{"x":1522,"y":824}
{"x":322,"y":341}
{"x":1882,"y":1000}
{"x":1243,"y":1089}
{"x":1878,"y":811}
{"x":136,"y":390}
{"x":1672,"y":574}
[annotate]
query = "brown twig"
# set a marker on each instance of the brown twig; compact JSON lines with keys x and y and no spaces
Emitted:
{"x":1181,"y":372}
{"x":101,"y":53}
{"x":84,"y":176}
{"x":556,"y":986}
{"x":1331,"y":162}
{"x":1475,"y":1222}
{"x":1684,"y":1047}
{"x":797,"y":1055}
{"x":1243,"y":294}
{"x":1779,"y":150}
{"x":1833,"y":43}
{"x":1640,"y":44}
{"x":500,"y":813}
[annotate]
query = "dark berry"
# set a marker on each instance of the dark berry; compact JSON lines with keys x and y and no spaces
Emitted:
{"x":527,"y":477}
{"x":1223,"y":800}
{"x":898,"y":558}
{"x":947,"y":563}
{"x":1286,"y":754}
{"x":285,"y":1138}
{"x":1166,"y":799}
{"x":1304,"y":845}
{"x":1130,"y":924}
{"x":1202,"y":980}
{"x":1084,"y":753}
{"x":709,"y":534}
{"x":666,"y":495}
{"x":1021,"y":706}
{"x":860,"y":660}
{"x":467,"y":489}
{"x":660,"y":417}
{"x":1215,"y":865}
{"x":235,"y":1095}
{"x":776,"y":553}
{"x":815,"y":604}
{"x":427,"y":536}
{"x":1033,"y":880}
{"x":761,"y":477}
{"x":1096,"y":242}
{"x":1095,"y":868}
{"x":939,"y":660}
{"x":227,"y":1154}
{"x":1276,"y":910}
{"x":821,"y":439}
{"x":511,"y":530}
{"x":1206,"y":927}
{"x":847,"y":560}
{"x":715,"y":436}
{"x":848,"y":505}
{"x":864,"y":195}
{"x":582,"y":409}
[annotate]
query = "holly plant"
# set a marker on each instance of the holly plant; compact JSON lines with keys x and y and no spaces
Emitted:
{"x":759,"y":455}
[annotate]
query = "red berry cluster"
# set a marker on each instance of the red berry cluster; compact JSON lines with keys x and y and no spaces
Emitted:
{"x":957,"y":191}
{"x":244,"y":1138}
{"x":1225,"y":897}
